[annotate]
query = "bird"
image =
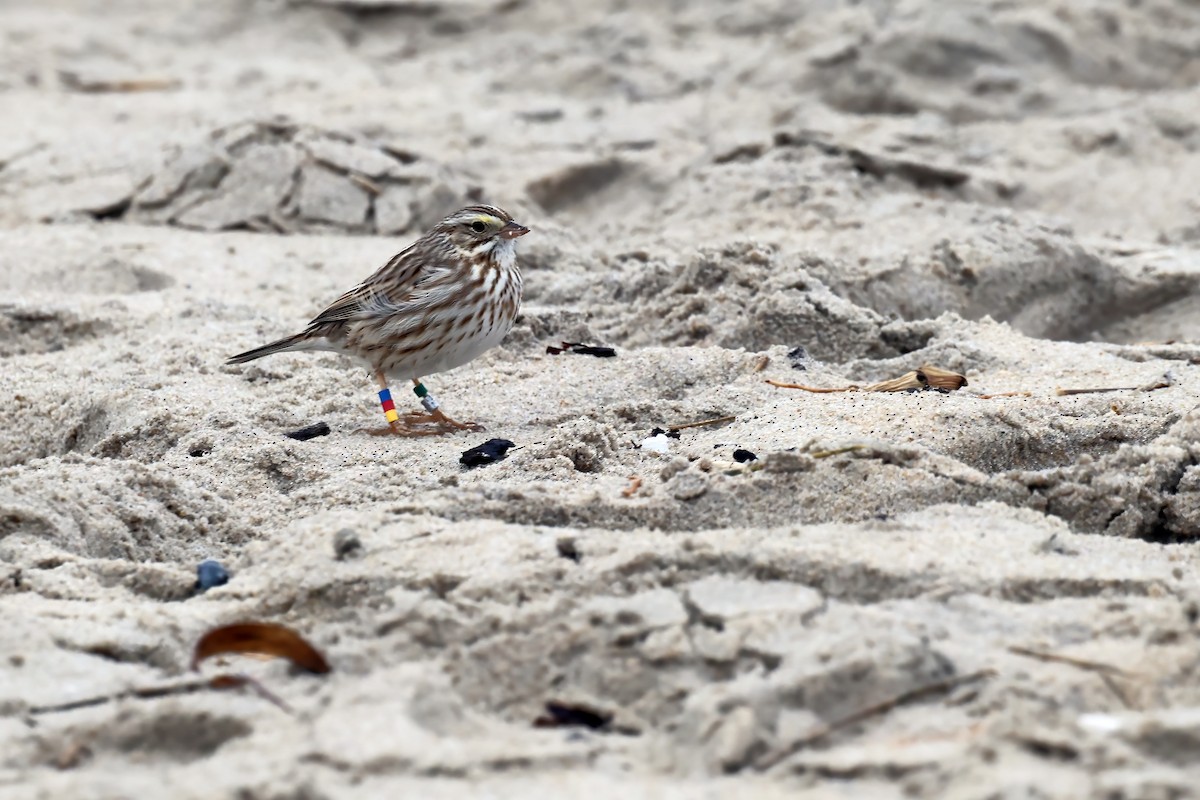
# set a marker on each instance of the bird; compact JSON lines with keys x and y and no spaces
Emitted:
{"x":443,"y":301}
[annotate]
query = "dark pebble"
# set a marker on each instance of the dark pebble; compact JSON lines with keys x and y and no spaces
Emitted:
{"x":598,"y":352}
{"x":567,"y":549}
{"x":210,"y":573}
{"x":666,"y":433}
{"x":489,"y":452}
{"x":562,"y":715}
{"x":309,"y":432}
{"x":346,"y":544}
{"x":742,"y":456}
{"x":797,"y":357}
{"x":582,"y":349}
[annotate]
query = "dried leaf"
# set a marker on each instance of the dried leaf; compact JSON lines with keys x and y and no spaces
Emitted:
{"x":926,"y":377}
{"x":938,"y":378}
{"x":906,"y":382}
{"x":264,"y":638}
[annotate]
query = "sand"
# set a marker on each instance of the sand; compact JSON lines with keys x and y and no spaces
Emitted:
{"x":919,"y":594}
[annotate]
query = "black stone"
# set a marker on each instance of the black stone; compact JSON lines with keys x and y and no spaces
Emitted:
{"x":489,"y":452}
{"x":309,"y":432}
{"x":582,"y":349}
{"x":562,"y":715}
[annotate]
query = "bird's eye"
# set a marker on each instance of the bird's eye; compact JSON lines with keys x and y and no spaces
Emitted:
{"x":478,"y":226}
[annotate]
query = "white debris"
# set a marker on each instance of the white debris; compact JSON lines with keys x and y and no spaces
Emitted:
{"x":659,"y":443}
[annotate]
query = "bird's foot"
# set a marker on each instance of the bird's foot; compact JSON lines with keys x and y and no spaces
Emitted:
{"x":434,"y":423}
{"x":438,"y":419}
{"x":400,"y":429}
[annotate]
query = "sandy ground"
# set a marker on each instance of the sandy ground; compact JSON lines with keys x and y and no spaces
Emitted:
{"x":906,"y":595}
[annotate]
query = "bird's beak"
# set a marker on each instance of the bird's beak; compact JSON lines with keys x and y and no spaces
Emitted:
{"x":512,"y":230}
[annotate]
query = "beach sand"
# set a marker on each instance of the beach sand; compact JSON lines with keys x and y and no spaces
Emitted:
{"x":910,"y":594}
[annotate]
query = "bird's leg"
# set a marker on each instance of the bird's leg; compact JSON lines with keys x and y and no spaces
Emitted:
{"x":395,"y":426}
{"x":435,"y":414}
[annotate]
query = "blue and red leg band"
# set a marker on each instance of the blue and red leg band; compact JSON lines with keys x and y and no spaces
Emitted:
{"x":389,"y":407}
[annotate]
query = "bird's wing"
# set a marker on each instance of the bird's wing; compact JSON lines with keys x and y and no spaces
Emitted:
{"x":380,"y":294}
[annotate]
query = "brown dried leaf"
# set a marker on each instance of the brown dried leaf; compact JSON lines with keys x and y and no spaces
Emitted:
{"x":926,"y":377}
{"x":908,"y":380}
{"x":938,"y":378}
{"x":264,"y":638}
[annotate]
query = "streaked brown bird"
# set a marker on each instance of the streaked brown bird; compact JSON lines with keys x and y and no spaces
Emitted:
{"x":443,"y":301}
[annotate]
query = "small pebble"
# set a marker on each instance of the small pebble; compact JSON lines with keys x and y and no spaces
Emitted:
{"x":565,"y":715}
{"x":598,"y":352}
{"x":489,"y":452}
{"x":662,"y":432}
{"x":309,"y":432}
{"x":742,"y":456}
{"x":346,"y":544}
{"x":210,"y":573}
{"x":567,"y":549}
{"x":582,"y":349}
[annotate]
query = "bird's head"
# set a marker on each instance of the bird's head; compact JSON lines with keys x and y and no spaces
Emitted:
{"x":483,"y":231}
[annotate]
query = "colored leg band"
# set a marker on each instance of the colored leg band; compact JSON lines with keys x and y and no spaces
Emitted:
{"x":427,"y":400}
{"x":389,"y":407}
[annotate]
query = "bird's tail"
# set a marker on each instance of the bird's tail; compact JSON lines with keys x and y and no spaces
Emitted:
{"x":298,"y":342}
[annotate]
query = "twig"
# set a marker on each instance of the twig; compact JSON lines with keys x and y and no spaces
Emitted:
{"x":366,"y":183}
{"x":635,"y":483}
{"x":874,"y":710}
{"x":1151,"y":387}
{"x":702,"y":423}
{"x":1092,"y":666}
{"x":1004,"y":394}
{"x":1064,"y":392}
{"x":152,"y":692}
{"x":837,"y":451}
{"x":101,"y":85}
{"x":240,"y":680}
{"x":816,"y":389}
{"x":1106,"y":672}
{"x":147,"y":693}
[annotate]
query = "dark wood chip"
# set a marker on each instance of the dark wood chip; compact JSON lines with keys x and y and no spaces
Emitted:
{"x":309,"y":432}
